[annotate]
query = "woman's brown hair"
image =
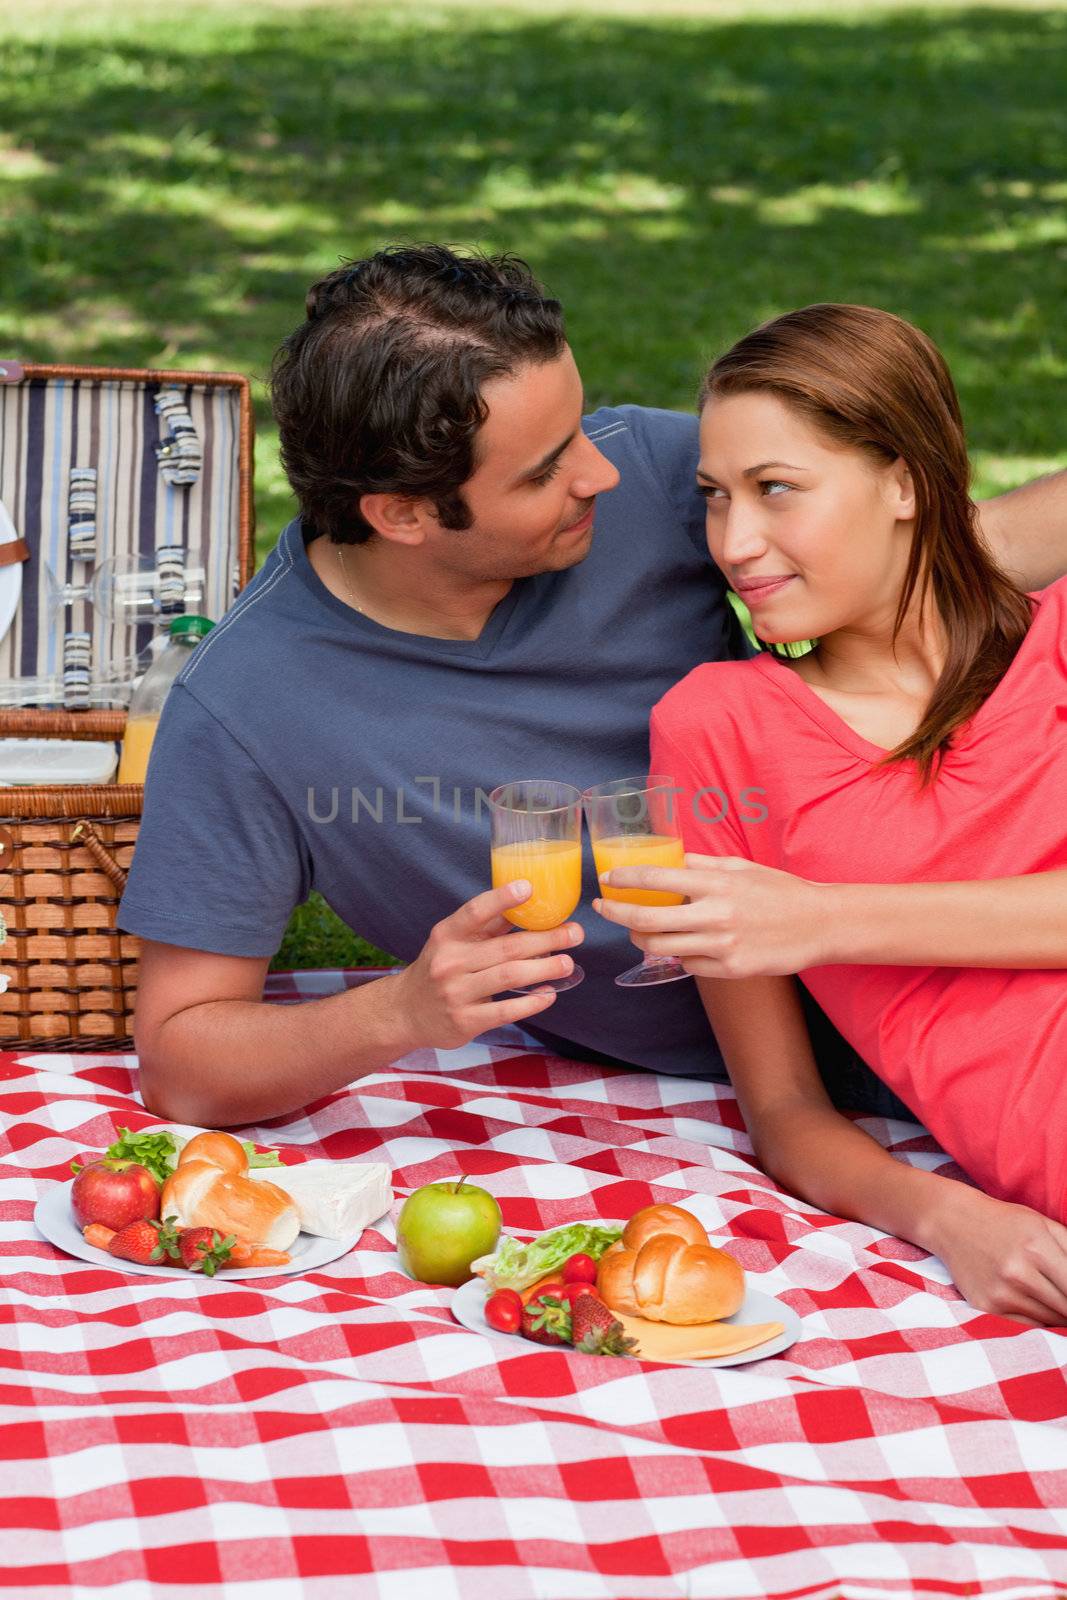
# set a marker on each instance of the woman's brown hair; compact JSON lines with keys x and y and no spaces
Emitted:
{"x":872,"y":381}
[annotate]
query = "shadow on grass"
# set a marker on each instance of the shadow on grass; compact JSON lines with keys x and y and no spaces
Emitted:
{"x":170,"y":191}
{"x":175,"y":191}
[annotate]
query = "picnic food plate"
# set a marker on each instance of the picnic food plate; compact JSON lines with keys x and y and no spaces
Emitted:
{"x":54,"y":1220}
{"x":10,"y":576}
{"x":468,"y":1308}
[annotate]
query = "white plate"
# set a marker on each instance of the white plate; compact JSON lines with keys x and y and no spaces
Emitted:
{"x":468,"y":1307}
{"x":54,"y":1219}
{"x":10,"y":577}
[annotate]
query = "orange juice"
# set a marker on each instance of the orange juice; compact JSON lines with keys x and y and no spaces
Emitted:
{"x":639,"y":850}
{"x":136,"y":744}
{"x":554,"y":867}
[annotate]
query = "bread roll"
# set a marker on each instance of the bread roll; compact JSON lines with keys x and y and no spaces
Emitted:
{"x":221,"y":1149}
{"x":668,"y":1280}
{"x":643,"y":1225}
{"x":202,"y":1195}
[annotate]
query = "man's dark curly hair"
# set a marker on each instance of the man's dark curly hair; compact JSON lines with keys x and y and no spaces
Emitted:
{"x":379,"y":390}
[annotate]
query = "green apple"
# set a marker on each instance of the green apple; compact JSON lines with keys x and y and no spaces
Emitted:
{"x":443,"y":1227}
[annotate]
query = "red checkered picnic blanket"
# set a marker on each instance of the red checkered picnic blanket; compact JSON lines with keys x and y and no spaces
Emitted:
{"x":338,"y":1434}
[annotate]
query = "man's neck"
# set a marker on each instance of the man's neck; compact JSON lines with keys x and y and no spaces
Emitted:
{"x":390,"y":587}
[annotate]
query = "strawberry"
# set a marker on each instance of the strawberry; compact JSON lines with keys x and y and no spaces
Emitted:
{"x":204,"y":1249}
{"x":596,"y":1332}
{"x":546,"y":1320}
{"x":144,"y":1242}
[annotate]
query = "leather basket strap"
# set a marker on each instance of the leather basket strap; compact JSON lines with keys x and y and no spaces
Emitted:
{"x":14,"y":550}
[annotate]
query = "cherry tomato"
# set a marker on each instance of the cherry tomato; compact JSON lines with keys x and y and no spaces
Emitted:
{"x":579,"y":1269}
{"x":555,"y":1288}
{"x":503,"y":1311}
{"x":571,"y":1292}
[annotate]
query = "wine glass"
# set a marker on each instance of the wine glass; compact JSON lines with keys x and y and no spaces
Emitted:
{"x":632,"y":823}
{"x":111,"y":684}
{"x":537,"y":835}
{"x":137,"y":588}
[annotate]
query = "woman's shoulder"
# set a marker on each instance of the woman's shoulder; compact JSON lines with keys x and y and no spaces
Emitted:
{"x":1047,"y":635}
{"x":1052,"y":597}
{"x":711,"y":695}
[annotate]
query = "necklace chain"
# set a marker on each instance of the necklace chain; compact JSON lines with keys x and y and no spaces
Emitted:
{"x":348,"y":586}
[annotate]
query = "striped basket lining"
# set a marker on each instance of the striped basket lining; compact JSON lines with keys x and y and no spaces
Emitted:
{"x":48,"y":426}
{"x":73,"y":975}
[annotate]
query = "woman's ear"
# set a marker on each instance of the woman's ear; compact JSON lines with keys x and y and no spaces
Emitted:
{"x":901,"y":486}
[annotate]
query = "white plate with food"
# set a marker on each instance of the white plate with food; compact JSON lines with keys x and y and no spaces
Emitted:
{"x":52,"y":1217}
{"x":10,"y":575}
{"x":305,"y":1214}
{"x":680,"y":1298}
{"x":757,"y":1308}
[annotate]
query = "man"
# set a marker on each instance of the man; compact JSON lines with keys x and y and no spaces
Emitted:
{"x":480,"y":587}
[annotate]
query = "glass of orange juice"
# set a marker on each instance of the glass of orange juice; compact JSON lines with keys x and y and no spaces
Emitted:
{"x":632,"y":823}
{"x":537,"y":835}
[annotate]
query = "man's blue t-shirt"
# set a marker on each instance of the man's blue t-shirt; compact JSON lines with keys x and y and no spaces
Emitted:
{"x":305,"y":746}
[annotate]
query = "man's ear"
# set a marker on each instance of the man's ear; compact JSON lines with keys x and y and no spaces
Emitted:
{"x":901,"y":488}
{"x":399,"y":520}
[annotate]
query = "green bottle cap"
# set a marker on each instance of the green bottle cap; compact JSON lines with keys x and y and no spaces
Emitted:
{"x":183,"y":626}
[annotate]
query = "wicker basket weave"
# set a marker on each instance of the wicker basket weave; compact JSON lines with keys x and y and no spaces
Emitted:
{"x":65,"y":850}
{"x":63,"y":864}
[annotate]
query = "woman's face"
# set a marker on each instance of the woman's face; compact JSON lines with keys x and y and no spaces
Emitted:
{"x":812,"y":535}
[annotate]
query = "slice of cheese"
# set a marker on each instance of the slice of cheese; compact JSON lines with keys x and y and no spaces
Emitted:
{"x":335,"y":1199}
{"x":702,"y":1341}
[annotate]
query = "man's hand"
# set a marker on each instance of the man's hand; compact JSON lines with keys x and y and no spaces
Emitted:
{"x":1003,"y":1258}
{"x":446,"y":991}
{"x":742,"y":921}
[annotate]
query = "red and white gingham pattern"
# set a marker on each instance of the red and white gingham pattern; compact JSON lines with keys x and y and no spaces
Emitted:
{"x":338,"y":1434}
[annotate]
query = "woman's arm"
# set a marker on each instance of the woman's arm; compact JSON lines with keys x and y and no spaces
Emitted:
{"x":745,"y":920}
{"x":800,"y":1139}
{"x":1003,"y":1258}
{"x":1001,"y":922}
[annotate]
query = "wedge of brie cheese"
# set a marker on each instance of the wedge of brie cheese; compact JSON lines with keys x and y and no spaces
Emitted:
{"x":335,"y":1199}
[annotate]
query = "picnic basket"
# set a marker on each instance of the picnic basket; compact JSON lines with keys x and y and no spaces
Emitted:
{"x":71,"y":976}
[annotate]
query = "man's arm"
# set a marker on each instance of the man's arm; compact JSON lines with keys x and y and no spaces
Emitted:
{"x":214,"y":1053}
{"x":1026,"y":530}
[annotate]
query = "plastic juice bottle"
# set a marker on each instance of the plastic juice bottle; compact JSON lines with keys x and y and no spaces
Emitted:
{"x":147,"y":703}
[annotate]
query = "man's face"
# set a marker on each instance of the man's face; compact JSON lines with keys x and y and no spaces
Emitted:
{"x":532,"y":494}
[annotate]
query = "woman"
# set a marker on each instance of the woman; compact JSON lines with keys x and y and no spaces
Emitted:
{"x":922,"y":742}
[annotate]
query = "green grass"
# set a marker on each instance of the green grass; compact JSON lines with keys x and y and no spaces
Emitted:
{"x":173,"y":177}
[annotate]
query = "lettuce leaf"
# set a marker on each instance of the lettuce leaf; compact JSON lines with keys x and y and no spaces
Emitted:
{"x":260,"y":1158}
{"x":158,"y":1149}
{"x":516,"y":1265}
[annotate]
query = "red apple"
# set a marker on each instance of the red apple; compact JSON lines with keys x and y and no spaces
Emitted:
{"x":114,"y":1192}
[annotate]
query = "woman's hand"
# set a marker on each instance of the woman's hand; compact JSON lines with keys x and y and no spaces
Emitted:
{"x":1003,"y":1258}
{"x":742,"y":921}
